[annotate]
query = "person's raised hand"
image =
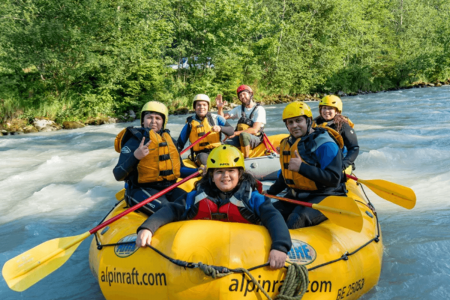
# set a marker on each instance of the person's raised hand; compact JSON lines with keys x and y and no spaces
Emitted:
{"x":216,"y":128}
{"x":295,"y":162}
{"x":277,"y":259}
{"x":142,"y":151}
{"x":144,"y":238}
{"x":219,"y":102}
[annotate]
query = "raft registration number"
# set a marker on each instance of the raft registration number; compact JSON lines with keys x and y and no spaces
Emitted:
{"x":350,"y":289}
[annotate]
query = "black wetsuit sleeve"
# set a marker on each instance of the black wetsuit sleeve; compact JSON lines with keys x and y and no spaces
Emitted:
{"x":278,"y":186}
{"x":351,"y":143}
{"x":330,"y":176}
{"x":127,"y":161}
{"x":184,"y":136}
{"x":170,"y":212}
{"x":227,"y":129}
{"x":272,"y":219}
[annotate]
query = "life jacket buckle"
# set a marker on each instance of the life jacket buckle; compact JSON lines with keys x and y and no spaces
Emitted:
{"x":219,"y":216}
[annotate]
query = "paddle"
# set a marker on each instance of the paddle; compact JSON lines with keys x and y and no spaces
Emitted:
{"x":342,"y":211}
{"x":395,"y":193}
{"x":194,"y":143}
{"x":267,"y":141}
{"x":26,"y":269}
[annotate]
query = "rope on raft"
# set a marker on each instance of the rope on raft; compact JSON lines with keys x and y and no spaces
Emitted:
{"x":294,"y":287}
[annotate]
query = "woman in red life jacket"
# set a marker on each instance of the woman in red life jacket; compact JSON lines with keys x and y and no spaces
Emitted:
{"x":226,"y":193}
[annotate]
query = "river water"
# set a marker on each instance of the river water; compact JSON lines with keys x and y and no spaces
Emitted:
{"x":61,"y":184}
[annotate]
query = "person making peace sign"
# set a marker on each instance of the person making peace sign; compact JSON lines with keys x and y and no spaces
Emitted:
{"x":149,"y":160}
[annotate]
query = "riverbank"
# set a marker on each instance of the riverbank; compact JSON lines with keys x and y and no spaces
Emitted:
{"x":18,"y":125}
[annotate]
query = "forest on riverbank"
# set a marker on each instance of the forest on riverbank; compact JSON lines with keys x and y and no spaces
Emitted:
{"x":79,"y":59}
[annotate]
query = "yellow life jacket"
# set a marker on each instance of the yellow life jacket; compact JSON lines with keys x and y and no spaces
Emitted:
{"x":199,"y":129}
{"x":118,"y":141}
{"x":293,"y":179}
{"x":163,"y":160}
{"x":349,"y":122}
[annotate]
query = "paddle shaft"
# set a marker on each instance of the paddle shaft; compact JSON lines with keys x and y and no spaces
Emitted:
{"x":194,"y":143}
{"x":318,"y":206}
{"x":268,"y":141}
{"x":266,"y":145}
{"x":148,"y":200}
{"x":307,"y":204}
{"x":352,"y":177}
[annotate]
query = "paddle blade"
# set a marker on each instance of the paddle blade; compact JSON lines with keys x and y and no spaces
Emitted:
{"x":24,"y":270}
{"x":342,"y":211}
{"x":395,"y":193}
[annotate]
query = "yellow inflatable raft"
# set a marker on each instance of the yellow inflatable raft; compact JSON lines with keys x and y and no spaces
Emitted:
{"x":342,"y":264}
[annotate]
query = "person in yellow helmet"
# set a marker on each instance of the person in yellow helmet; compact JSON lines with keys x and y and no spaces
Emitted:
{"x":330,"y":109}
{"x":311,"y":167}
{"x":251,"y":118}
{"x":226,"y":193}
{"x":149,"y":160}
{"x":198,"y":125}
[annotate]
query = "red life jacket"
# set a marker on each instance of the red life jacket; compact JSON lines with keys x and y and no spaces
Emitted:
{"x":209,"y":210}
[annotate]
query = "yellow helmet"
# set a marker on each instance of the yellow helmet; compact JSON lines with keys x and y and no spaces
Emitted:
{"x":333,"y":101}
{"x":225,"y":156}
{"x":296,"y":109}
{"x":202,"y":97}
{"x":157,"y":107}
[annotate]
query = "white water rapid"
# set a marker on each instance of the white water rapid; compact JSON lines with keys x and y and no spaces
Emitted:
{"x":61,"y":184}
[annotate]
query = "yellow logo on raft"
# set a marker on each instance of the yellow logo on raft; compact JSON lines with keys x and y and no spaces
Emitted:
{"x":301,"y":253}
{"x":129,"y":246}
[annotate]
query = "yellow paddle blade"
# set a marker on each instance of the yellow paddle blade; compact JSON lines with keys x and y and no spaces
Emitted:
{"x":26,"y":269}
{"x":395,"y":193}
{"x":342,"y":211}
{"x":120,"y":195}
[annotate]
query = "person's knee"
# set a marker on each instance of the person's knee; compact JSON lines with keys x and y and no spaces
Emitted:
{"x":304,"y":219}
{"x":295,"y":221}
{"x":245,"y":139}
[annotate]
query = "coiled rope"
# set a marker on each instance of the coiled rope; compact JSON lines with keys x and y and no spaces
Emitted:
{"x":294,"y":286}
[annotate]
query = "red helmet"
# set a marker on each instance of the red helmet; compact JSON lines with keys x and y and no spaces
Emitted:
{"x":243,"y":88}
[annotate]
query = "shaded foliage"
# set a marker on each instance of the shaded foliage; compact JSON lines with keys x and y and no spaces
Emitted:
{"x":73,"y":59}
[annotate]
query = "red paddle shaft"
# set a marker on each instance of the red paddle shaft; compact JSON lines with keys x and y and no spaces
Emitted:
{"x":352,"y":177}
{"x":268,"y":141}
{"x":148,"y":200}
{"x":194,"y":143}
{"x":291,"y":201}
